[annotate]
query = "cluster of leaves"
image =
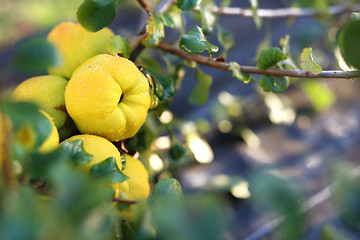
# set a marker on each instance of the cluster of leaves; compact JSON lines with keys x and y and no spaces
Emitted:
{"x":44,"y":195}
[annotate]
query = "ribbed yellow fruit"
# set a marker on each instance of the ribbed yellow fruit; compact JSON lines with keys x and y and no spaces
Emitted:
{"x":75,"y":45}
{"x":108,"y":96}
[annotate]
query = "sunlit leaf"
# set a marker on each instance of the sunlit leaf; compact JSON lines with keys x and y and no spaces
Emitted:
{"x":254,"y":8}
{"x":269,"y":57}
{"x":321,"y":96}
{"x":94,"y":15}
{"x":108,"y":170}
{"x":225,"y":3}
{"x":200,"y":93}
{"x":35,"y":55}
{"x":167,"y":20}
{"x":348,"y":42}
{"x":195,"y":42}
{"x":235,"y":68}
{"x":208,"y":18}
{"x":274,"y":84}
{"x":117,"y":45}
{"x":308,"y":63}
{"x":187,"y":4}
{"x":285,"y":47}
{"x":155,"y":30}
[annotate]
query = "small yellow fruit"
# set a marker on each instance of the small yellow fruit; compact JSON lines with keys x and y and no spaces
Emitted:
{"x":48,"y":92}
{"x":139,"y":187}
{"x":108,"y":96}
{"x":99,"y":147}
{"x":53,"y":140}
{"x":75,"y":45}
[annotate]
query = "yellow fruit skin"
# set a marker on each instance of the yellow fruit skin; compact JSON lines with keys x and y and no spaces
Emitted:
{"x":75,"y":45}
{"x":52,"y":141}
{"x":108,"y":96}
{"x":48,"y":92}
{"x":99,"y":147}
{"x":139,"y":187}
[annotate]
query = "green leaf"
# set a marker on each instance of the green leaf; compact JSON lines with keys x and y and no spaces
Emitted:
{"x":169,"y":188}
{"x":108,"y":170}
{"x":195,"y":42}
{"x":225,"y":38}
{"x":276,"y":195}
{"x":348,"y":41}
{"x":346,"y":193}
{"x":208,"y":18}
{"x":26,"y":116}
{"x":94,"y":15}
{"x":308,"y":63}
{"x":39,"y":165}
{"x":177,"y":150}
{"x":285,"y":47}
{"x":167,"y":20}
{"x":187,"y":4}
{"x":319,"y":94}
{"x":330,"y":232}
{"x":269,"y":57}
{"x":235,"y":68}
{"x":200,"y":93}
{"x":254,"y":8}
{"x":116,"y":45}
{"x":274,"y":84}
{"x":155,"y":30}
{"x":76,"y":152}
{"x":355,"y":16}
{"x":225,"y":3}
{"x":164,"y":88}
{"x":35,"y":55}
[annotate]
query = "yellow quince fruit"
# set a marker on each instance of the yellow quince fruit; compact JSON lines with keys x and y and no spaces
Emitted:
{"x":108,"y":96}
{"x":52,"y":141}
{"x":139,"y":187}
{"x":75,"y":45}
{"x":101,"y":149}
{"x":48,"y":92}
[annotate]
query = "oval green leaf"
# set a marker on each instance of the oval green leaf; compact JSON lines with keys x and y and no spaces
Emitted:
{"x":94,"y":15}
{"x":269,"y":57}
{"x":195,"y":42}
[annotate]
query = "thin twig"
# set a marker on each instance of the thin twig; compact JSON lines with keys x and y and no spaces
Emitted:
{"x":135,"y":43}
{"x":254,"y":70}
{"x":281,"y":12}
{"x":145,"y":6}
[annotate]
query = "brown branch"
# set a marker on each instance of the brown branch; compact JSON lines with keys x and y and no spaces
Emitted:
{"x":145,"y":6}
{"x":164,"y":46}
{"x":281,"y":12}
